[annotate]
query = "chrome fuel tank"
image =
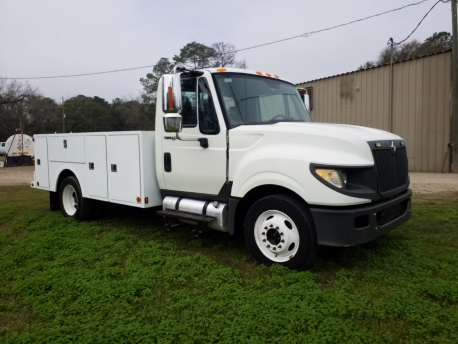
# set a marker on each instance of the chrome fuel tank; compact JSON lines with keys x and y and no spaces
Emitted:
{"x":210,"y":208}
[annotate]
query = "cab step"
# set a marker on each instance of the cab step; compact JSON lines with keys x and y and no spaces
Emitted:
{"x":182,"y":215}
{"x":172,"y":218}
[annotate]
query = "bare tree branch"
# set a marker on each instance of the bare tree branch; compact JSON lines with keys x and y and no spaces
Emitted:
{"x":14,"y":91}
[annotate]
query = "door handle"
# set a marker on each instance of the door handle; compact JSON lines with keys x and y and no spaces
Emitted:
{"x":203,"y":142}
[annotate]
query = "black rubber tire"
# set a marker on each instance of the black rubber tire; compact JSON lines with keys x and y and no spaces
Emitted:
{"x":83,"y":212}
{"x":98,"y":209}
{"x":299,"y":213}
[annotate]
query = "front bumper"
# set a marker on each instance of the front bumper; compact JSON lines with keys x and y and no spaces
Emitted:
{"x":358,"y":225}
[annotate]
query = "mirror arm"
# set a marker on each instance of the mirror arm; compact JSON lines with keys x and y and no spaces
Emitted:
{"x":177,"y":137}
{"x":203,"y":141}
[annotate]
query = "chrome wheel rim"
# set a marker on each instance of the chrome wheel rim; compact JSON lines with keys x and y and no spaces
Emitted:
{"x":277,"y":236}
{"x":70,"y":200}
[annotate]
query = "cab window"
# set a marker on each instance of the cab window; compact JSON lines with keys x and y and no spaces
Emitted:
{"x":208,"y":120}
{"x":189,"y":101}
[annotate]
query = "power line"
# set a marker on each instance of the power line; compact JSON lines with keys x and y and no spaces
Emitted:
{"x":443,"y":1}
{"x":69,"y":76}
{"x":307,"y":34}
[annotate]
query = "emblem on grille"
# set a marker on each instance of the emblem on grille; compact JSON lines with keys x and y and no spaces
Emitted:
{"x":393,"y":147}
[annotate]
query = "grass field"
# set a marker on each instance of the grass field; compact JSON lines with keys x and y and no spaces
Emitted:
{"x":126,"y":279}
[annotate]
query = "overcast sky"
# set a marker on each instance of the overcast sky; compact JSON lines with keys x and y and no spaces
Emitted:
{"x":47,"y":38}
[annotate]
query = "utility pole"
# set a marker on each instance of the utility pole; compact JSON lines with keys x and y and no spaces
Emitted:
{"x":391,"y":44}
{"x":63,"y":116}
{"x":455,"y":87}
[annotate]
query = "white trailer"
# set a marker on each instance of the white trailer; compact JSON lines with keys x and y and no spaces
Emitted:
{"x":236,"y":151}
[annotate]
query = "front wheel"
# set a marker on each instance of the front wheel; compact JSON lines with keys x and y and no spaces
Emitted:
{"x":72,"y":202}
{"x":279,"y":229}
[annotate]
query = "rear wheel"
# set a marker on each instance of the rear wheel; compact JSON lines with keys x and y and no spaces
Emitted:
{"x":279,"y":229}
{"x":72,"y":202}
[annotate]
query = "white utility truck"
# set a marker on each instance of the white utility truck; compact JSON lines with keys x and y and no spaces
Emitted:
{"x":236,"y":151}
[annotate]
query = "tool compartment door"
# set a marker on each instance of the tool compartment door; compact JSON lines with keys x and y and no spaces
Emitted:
{"x":96,"y":166}
{"x":123,"y":168}
{"x":68,"y":148}
{"x":41,"y":162}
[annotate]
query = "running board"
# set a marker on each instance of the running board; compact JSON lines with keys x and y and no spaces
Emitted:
{"x":181,"y":215}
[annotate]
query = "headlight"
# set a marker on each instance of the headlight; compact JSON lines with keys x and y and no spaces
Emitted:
{"x":332,"y":176}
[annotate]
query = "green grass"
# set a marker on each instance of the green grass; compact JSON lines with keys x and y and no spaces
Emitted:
{"x":126,"y":279}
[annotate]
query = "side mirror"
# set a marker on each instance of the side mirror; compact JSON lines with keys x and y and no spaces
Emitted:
{"x":305,"y":97}
{"x":173,"y":123}
{"x":171,"y":92}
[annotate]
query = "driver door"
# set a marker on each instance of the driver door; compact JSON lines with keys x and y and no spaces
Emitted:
{"x":192,"y":168}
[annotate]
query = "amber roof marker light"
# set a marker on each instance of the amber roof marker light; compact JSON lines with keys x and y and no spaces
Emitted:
{"x":259,"y":73}
{"x":221,"y":70}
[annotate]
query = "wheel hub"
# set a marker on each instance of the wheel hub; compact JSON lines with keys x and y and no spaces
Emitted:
{"x":276,"y":236}
{"x":273,"y":236}
{"x":69,"y":200}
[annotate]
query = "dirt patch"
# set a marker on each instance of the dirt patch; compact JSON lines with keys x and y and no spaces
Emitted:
{"x":21,"y":175}
{"x":434,"y":183}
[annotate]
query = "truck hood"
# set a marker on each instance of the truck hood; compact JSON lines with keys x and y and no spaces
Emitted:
{"x":338,"y":130}
{"x":331,"y":144}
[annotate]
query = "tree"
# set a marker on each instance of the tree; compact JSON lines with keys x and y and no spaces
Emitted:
{"x":439,"y":41}
{"x":224,"y":56}
{"x":14,"y":91}
{"x":196,"y":55}
{"x":35,"y":114}
{"x":14,"y":106}
{"x":150,"y":83}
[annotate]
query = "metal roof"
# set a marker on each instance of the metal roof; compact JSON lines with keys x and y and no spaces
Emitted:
{"x":382,"y":65}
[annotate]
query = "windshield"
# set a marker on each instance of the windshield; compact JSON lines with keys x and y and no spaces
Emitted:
{"x":258,"y":100}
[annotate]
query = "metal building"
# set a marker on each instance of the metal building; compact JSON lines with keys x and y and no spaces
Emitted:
{"x":411,"y":98}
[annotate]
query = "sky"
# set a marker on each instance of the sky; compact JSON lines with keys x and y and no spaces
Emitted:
{"x":62,"y":37}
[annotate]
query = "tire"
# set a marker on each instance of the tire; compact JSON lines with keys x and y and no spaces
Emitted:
{"x":72,"y":202}
{"x":290,"y":238}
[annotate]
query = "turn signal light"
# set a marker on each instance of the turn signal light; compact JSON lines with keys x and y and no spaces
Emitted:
{"x":170,"y":98}
{"x":146,"y":200}
{"x":38,"y":183}
{"x":138,"y":199}
{"x":331,"y":176}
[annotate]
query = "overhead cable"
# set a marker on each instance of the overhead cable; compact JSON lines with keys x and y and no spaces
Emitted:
{"x":443,"y":1}
{"x":307,"y":34}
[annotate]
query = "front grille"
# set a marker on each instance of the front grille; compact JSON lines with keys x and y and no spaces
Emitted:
{"x":392,"y":169}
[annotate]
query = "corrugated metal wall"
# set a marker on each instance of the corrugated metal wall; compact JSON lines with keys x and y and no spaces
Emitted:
{"x":421,"y":105}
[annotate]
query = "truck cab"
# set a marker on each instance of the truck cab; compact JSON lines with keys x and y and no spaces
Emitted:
{"x":236,"y":151}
